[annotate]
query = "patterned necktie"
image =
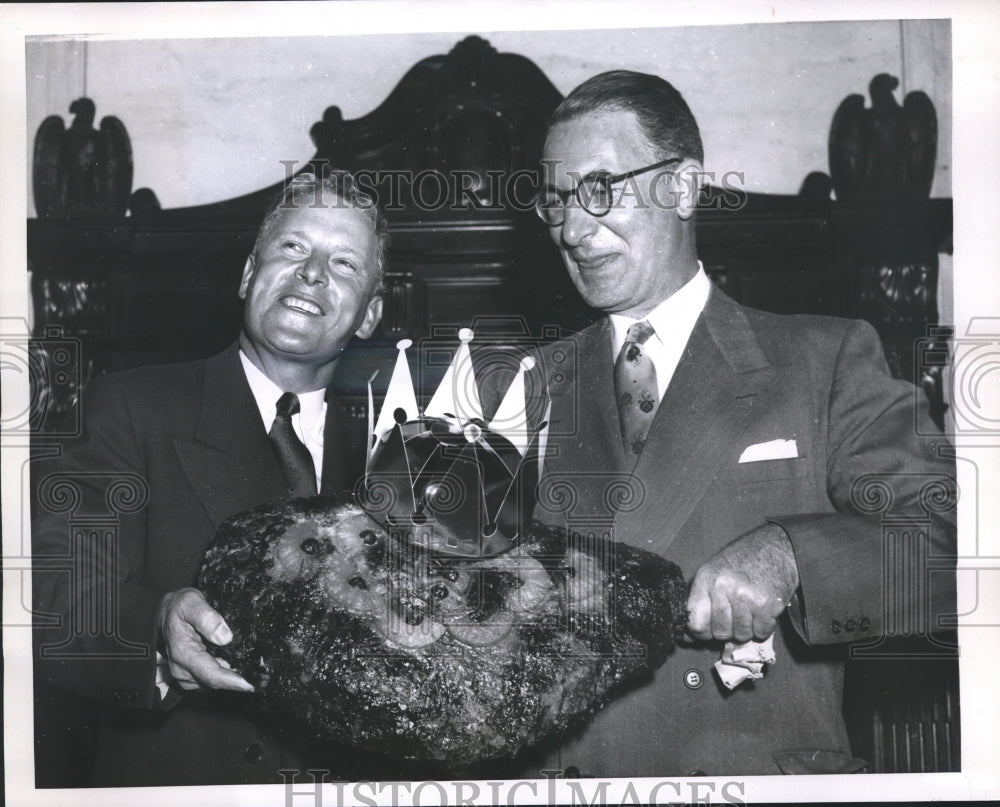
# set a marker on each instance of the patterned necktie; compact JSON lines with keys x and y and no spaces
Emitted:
{"x":295,"y":460}
{"x":635,"y":388}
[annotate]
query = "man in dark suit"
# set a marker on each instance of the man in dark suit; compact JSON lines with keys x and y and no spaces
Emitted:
{"x":757,"y":451}
{"x":165,"y":455}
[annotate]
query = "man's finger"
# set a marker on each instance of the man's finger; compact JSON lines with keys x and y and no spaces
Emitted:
{"x":742,"y":622}
{"x":763,"y":626}
{"x":205,"y":619}
{"x":776,"y":606}
{"x":722,"y":614}
{"x":699,"y":607}
{"x":217,"y":677}
{"x":197,"y":669}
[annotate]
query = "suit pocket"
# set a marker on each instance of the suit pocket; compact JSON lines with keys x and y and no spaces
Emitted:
{"x":746,"y":473}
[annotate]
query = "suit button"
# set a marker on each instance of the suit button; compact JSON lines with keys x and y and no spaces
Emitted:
{"x":850,"y":626}
{"x":572,"y":772}
{"x":693,"y":679}
{"x":132,"y":695}
{"x":697,"y":772}
{"x":865,"y":624}
{"x":835,"y":626}
{"x":253,"y":753}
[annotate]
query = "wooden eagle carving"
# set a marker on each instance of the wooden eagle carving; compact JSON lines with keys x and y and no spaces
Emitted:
{"x":886,"y":151}
{"x":82,"y":171}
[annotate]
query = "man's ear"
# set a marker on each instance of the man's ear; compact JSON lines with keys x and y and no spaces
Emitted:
{"x":690,"y":178}
{"x":248,"y":269}
{"x":373,"y":315}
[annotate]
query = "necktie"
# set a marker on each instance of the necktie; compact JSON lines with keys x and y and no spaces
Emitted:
{"x":635,"y":388}
{"x":295,"y":460}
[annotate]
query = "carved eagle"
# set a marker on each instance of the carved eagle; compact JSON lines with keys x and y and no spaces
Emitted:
{"x":82,"y":171}
{"x":886,"y":151}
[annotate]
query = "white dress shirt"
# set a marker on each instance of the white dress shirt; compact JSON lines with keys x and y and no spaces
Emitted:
{"x":310,"y":421}
{"x":672,"y":322}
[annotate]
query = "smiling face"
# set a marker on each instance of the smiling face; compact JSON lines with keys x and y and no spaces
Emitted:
{"x":642,"y":250}
{"x":308,"y":289}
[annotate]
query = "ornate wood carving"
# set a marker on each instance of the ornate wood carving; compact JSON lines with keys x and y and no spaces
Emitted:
{"x":81,"y":171}
{"x":886,"y":152}
{"x":883,"y":158}
{"x":473,"y":116}
{"x":451,"y":154}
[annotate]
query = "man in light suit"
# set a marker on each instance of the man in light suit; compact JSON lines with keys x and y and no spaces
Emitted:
{"x":756,"y":451}
{"x":173,"y":451}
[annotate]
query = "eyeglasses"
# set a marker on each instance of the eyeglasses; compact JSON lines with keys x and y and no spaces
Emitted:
{"x":593,"y":193}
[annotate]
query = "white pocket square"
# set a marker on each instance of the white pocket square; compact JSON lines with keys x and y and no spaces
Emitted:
{"x":771,"y":450}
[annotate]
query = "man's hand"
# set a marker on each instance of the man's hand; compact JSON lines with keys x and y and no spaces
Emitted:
{"x":185,"y":620}
{"x":740,"y":593}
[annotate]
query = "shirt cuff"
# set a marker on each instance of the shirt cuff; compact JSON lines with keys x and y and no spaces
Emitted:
{"x":163,"y":677}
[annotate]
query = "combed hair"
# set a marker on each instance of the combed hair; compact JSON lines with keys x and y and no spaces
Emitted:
{"x":661,"y":110}
{"x":306,"y":188}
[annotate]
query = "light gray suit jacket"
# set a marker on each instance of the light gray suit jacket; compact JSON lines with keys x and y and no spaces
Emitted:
{"x":863,"y":485}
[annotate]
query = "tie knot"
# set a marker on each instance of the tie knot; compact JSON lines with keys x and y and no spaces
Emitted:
{"x":288,"y":405}
{"x":639,"y":332}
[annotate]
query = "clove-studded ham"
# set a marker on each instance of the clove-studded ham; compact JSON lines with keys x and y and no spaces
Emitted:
{"x":377,"y":643}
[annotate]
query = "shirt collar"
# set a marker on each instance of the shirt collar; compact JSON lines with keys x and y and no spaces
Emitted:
{"x":312,"y":405}
{"x":674,"y":318}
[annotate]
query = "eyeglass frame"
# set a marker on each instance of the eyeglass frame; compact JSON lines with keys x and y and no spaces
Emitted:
{"x":607,"y":179}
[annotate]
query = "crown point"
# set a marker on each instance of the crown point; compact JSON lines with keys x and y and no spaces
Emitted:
{"x":527,"y":363}
{"x":465,"y":335}
{"x":403,"y":344}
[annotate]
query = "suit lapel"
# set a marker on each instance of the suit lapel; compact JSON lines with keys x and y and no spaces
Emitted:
{"x":709,"y":399}
{"x":229,"y":463}
{"x":341,"y":463}
{"x":583,"y":405}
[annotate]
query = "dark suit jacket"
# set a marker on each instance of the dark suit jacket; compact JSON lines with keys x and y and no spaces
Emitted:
{"x":862,"y":484}
{"x":165,"y":455}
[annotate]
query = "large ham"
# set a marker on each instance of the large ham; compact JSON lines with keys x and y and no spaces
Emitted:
{"x":375,"y":643}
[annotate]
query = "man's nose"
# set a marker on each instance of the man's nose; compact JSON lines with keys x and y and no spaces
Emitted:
{"x":313,"y":270}
{"x":577,"y":225}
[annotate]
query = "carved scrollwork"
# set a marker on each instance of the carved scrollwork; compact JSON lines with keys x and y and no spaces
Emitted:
{"x":475,"y":56}
{"x":72,"y":301}
{"x":901,"y":292}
